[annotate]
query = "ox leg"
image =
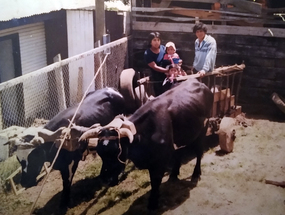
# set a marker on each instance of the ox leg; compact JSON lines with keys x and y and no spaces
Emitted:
{"x":199,"y":153}
{"x":156,"y":175}
{"x":176,"y":166}
{"x":67,"y":176}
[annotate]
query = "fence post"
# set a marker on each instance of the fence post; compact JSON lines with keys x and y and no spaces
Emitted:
{"x":59,"y":84}
{"x":80,"y":84}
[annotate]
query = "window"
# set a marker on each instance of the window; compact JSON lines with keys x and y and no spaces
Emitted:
{"x":10,"y":60}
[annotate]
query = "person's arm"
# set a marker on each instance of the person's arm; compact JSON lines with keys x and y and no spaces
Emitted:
{"x":210,"y":57}
{"x":157,"y":68}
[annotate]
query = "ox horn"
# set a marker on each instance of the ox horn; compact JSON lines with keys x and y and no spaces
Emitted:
{"x":50,"y":136}
{"x":92,"y":133}
{"x":125,"y":132}
{"x":37,"y":141}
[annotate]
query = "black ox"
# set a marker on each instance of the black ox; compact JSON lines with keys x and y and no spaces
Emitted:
{"x":100,"y":106}
{"x":172,"y":120}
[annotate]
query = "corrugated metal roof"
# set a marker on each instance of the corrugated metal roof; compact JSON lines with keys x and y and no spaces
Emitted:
{"x":15,"y":9}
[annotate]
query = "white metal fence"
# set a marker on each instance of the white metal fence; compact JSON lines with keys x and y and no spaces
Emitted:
{"x":45,"y":92}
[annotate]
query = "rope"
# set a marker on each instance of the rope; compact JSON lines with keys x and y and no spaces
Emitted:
{"x":120,"y":147}
{"x":69,"y":126}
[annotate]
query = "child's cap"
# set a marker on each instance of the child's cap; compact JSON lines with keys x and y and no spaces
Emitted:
{"x":170,"y":44}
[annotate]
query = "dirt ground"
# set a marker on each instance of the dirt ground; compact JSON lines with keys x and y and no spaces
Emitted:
{"x":231,"y":184}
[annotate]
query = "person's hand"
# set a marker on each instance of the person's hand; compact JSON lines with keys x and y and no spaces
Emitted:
{"x":201,"y":73}
{"x":171,"y":78}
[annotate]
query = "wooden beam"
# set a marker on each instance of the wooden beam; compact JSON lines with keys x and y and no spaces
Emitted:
{"x":155,"y":10}
{"x":222,"y":18}
{"x":100,"y":20}
{"x":196,"y":13}
{"x":253,"y":7}
{"x":276,"y":183}
{"x":206,"y":1}
{"x":213,"y":29}
{"x":163,"y":4}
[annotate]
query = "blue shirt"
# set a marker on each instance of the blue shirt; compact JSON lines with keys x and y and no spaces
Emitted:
{"x":205,"y":54}
{"x":149,"y":57}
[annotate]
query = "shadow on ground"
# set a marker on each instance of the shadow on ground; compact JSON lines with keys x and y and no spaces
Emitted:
{"x":169,"y":200}
{"x":173,"y":194}
{"x":84,"y":190}
{"x":81,"y":191}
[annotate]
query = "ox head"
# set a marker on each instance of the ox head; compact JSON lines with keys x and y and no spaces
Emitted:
{"x":112,"y":148}
{"x":32,"y":155}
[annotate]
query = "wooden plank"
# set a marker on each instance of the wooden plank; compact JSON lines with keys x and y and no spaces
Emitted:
{"x":221,"y":95}
{"x":253,"y":7}
{"x":11,"y":180}
{"x":155,"y":10}
{"x":276,"y":183}
{"x":206,"y":1}
{"x":213,"y":29}
{"x":196,"y":13}
{"x":163,"y":4}
{"x":247,"y":20}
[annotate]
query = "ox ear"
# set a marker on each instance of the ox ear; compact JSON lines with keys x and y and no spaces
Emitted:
{"x":125,"y":132}
{"x":92,"y":133}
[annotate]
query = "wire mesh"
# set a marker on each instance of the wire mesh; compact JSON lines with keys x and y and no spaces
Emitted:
{"x":45,"y":92}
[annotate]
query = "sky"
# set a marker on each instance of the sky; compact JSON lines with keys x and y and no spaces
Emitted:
{"x":14,"y":9}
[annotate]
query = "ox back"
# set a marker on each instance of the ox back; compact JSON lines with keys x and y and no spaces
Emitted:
{"x":181,"y":110}
{"x":100,"y":106}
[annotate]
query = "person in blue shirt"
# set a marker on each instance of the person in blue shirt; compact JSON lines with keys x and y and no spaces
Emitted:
{"x":154,"y":58}
{"x":205,"y":50}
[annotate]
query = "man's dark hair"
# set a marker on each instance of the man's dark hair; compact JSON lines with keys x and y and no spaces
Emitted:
{"x":151,"y":36}
{"x":200,"y":26}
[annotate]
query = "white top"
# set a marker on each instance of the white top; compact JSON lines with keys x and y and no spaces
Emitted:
{"x":205,"y":54}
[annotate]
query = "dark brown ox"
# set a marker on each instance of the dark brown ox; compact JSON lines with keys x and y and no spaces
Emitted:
{"x":172,"y":120}
{"x":100,"y":106}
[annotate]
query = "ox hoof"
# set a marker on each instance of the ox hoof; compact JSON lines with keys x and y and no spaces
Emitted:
{"x":173,"y":178}
{"x":194,"y":180}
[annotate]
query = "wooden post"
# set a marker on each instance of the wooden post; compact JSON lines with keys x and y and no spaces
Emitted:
{"x":60,"y":84}
{"x":99,"y":20}
{"x":11,"y":180}
{"x":80,"y":84}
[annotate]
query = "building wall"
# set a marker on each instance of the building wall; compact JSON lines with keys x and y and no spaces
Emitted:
{"x":56,"y":36}
{"x":263,"y":58}
{"x":32,"y":45}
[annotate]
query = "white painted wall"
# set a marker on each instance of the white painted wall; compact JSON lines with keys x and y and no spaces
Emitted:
{"x":80,"y":39}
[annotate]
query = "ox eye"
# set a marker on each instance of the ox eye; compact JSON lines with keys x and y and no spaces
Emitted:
{"x":105,"y":142}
